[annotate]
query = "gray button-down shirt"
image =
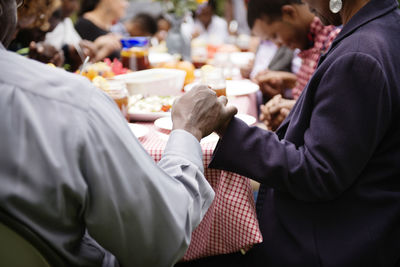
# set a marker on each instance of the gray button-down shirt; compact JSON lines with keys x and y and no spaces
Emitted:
{"x":69,"y":164}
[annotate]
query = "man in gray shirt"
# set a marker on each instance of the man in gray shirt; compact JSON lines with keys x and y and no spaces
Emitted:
{"x":69,"y":165}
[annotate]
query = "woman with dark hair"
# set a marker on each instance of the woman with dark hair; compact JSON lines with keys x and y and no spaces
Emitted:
{"x":95,"y":21}
{"x":88,"y":5}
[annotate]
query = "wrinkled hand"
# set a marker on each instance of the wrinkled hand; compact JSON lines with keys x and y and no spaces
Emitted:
{"x":46,"y":53}
{"x":200,"y":112}
{"x":275,"y":111}
{"x":275,"y":82}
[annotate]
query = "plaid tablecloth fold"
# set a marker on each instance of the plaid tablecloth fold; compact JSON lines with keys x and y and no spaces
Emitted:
{"x":230,"y":225}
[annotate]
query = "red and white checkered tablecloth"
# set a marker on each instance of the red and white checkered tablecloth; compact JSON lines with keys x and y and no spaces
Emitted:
{"x":230,"y":225}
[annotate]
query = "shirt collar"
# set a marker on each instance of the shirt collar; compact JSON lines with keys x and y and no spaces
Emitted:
{"x":316,"y":27}
{"x":371,"y":11}
{"x":2,"y":47}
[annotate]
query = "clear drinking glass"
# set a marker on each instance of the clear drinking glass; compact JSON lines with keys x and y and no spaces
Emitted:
{"x":214,"y":77}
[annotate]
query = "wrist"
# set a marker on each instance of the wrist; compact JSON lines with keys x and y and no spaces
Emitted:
{"x":192,"y":130}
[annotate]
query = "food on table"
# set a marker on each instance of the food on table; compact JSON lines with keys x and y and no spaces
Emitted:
{"x":116,"y":90}
{"x":181,"y":65}
{"x":140,"y":104}
{"x":116,"y":66}
{"x":106,"y":69}
{"x":101,"y":82}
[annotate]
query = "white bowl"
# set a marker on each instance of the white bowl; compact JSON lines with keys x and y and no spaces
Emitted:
{"x":161,"y":82}
{"x":156,"y":58}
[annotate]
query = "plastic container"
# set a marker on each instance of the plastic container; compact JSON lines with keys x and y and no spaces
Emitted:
{"x":135,"y":53}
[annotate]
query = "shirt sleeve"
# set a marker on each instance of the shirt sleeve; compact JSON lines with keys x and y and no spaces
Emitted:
{"x":349,"y":117}
{"x":141,"y":212}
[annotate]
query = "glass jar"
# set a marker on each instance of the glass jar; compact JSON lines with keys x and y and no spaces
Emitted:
{"x":118,"y":92}
{"x":199,"y":53}
{"x":135,"y":53}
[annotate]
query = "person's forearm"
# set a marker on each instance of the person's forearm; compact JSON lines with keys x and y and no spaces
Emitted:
{"x":184,"y":152}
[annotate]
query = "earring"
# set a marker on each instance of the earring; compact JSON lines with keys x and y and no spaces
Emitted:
{"x":335,"y":6}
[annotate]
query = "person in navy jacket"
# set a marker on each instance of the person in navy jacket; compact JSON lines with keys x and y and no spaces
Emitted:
{"x":330,"y":175}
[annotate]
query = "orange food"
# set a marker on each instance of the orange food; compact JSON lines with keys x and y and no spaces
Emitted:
{"x":189,"y":68}
{"x":181,"y":65}
{"x":166,"y":108}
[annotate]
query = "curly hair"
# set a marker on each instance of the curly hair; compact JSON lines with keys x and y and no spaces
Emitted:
{"x":38,"y":11}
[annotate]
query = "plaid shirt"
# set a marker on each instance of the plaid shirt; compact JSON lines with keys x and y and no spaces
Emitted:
{"x":321,"y":36}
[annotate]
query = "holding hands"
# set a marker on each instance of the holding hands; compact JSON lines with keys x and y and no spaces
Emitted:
{"x":200,"y":112}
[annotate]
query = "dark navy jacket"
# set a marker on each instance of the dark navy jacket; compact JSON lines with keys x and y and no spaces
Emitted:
{"x":330,"y":176}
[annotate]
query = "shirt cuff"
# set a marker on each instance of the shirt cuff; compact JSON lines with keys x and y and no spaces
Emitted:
{"x":183,"y":144}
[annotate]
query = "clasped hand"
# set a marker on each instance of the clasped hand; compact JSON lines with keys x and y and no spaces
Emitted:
{"x":275,"y":82}
{"x":275,"y":111}
{"x":201,"y":112}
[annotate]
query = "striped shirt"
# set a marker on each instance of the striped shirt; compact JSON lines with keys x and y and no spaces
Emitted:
{"x":321,"y":36}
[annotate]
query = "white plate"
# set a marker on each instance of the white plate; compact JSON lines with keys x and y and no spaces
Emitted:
{"x":166,"y":122}
{"x":234,"y":87}
{"x":140,"y":109}
{"x":138,"y":130}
